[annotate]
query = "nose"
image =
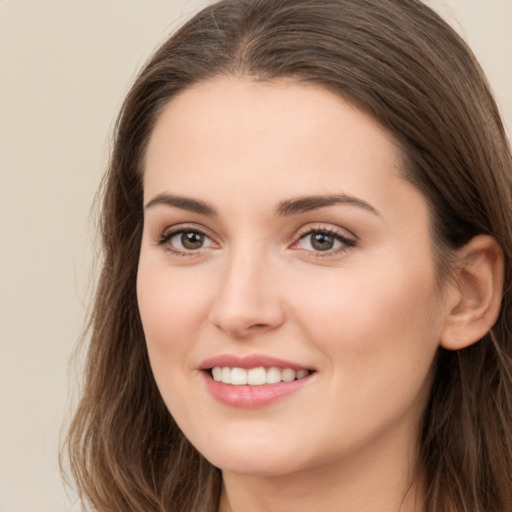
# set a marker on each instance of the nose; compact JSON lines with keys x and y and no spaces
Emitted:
{"x":247,"y":302}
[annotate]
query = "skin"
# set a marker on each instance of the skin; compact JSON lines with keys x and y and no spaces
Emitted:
{"x":367,"y":316}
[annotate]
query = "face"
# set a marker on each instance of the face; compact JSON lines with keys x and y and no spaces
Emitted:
{"x":286,"y":284}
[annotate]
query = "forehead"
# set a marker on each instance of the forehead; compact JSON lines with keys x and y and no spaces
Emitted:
{"x":244,"y":147}
{"x":229,"y":125}
{"x":260,"y":107}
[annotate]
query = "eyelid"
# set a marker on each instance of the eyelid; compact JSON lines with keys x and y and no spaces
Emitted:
{"x":164,"y":237}
{"x":325,"y":227}
{"x":347,"y":239}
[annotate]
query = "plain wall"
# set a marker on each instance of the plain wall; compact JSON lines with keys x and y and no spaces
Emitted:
{"x":65,"y":66}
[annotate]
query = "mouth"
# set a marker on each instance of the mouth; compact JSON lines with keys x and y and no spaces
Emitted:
{"x":254,"y":386}
{"x":259,"y":376}
{"x":255,"y":380}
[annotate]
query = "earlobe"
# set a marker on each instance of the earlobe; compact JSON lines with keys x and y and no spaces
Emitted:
{"x":478,"y":288}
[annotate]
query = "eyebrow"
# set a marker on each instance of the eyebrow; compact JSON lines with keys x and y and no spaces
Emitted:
{"x":284,"y":209}
{"x":183,"y":203}
{"x":309,"y":203}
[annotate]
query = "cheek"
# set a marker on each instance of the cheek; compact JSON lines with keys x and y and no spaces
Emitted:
{"x":378,"y":342}
{"x":375,"y":321}
{"x":172,"y":310}
{"x":172,"y":314}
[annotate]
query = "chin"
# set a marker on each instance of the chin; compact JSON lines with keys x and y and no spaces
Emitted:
{"x":255,"y":466}
{"x":249,"y":458}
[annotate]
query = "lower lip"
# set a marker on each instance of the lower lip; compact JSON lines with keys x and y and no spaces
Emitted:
{"x":250,"y":397}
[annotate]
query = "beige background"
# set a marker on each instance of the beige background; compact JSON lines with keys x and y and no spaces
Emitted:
{"x":64,"y":68}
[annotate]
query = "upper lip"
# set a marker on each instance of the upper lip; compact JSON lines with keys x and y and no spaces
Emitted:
{"x":248,"y":362}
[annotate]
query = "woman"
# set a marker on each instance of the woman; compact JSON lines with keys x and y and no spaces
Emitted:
{"x":304,"y":302}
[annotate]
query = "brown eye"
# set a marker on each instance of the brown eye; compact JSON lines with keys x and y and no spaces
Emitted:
{"x":318,"y":241}
{"x":322,"y":241}
{"x":186,"y":241}
{"x":191,"y":240}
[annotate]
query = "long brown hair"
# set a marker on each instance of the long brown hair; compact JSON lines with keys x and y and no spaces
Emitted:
{"x":399,"y":62}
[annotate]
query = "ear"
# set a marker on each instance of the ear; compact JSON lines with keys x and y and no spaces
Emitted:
{"x":475,"y":294}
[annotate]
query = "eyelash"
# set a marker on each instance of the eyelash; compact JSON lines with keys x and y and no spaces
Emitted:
{"x":167,"y":236}
{"x":346,"y":243}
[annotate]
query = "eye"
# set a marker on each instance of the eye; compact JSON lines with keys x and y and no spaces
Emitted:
{"x":318,"y":242}
{"x":189,"y":240}
{"x":184,"y":241}
{"x":324,"y":241}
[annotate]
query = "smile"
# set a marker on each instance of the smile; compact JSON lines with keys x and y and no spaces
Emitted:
{"x":256,"y":376}
{"x":255,"y":380}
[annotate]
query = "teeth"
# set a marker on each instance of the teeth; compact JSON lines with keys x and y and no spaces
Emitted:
{"x":217,"y":373}
{"x":226,"y":375}
{"x":238,"y":376}
{"x":273,"y":375}
{"x":256,"y":376}
{"x":288,"y":375}
{"x":302,"y":373}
